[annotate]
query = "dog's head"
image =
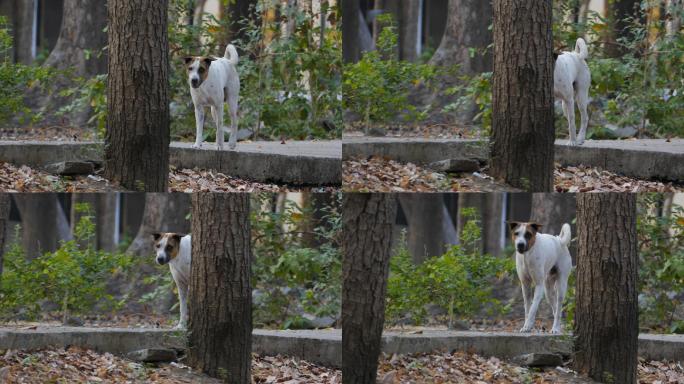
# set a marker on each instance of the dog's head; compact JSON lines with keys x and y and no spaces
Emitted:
{"x":523,"y":235}
{"x":166,"y":246}
{"x":198,"y":69}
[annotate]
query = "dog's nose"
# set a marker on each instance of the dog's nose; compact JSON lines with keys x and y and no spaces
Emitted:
{"x":160,"y":260}
{"x":521,"y":247}
{"x":194,"y":83}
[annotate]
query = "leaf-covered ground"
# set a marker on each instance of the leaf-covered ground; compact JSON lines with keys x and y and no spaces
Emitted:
{"x":77,"y":365}
{"x":26,"y":179}
{"x":460,"y":367}
{"x":51,"y":133}
{"x":382,"y":175}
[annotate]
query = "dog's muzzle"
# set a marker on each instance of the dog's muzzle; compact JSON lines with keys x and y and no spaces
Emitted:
{"x":161,"y":260}
{"x":195,"y":83}
{"x":521,"y":247}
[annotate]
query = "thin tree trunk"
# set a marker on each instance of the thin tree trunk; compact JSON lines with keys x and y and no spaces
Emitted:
{"x":4,"y":220}
{"x":351,"y":37}
{"x":522,"y":104}
{"x":408,"y":29}
{"x":137,"y":140}
{"x":39,"y":227}
{"x":220,"y":297}
{"x":606,"y":312}
{"x":675,"y":12}
{"x":367,"y":222}
{"x":24,"y":37}
{"x":429,"y":230}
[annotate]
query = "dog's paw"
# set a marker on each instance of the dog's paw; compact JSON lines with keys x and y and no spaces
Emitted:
{"x":180,"y":326}
{"x":556,"y":330}
{"x":525,"y":329}
{"x":232,"y":145}
{"x":197,"y":145}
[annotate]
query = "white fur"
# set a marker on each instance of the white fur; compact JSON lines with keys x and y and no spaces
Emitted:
{"x":180,"y":270}
{"x":571,"y":82}
{"x":222,"y":80}
{"x":534,"y":270}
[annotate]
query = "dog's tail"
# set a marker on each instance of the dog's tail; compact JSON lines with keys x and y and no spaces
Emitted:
{"x":565,"y":236}
{"x":581,"y":48}
{"x":231,"y":54}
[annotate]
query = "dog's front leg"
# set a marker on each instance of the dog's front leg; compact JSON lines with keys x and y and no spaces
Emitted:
{"x":217,"y":114}
{"x":529,"y":320}
{"x":526,"y":296}
{"x":183,"y":303}
{"x":199,"y":123}
{"x":233,"y":110}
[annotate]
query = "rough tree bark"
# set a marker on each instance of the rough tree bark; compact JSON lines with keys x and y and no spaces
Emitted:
{"x":351,"y":37}
{"x":430,"y":226}
{"x":220,"y":300}
{"x":606,"y":312}
{"x":367,"y":239}
{"x":137,"y":140}
{"x":522,"y":103}
{"x":4,"y":219}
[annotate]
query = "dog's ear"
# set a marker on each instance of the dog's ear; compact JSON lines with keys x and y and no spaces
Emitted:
{"x":536,"y":226}
{"x":512,"y":224}
{"x":555,"y":56}
{"x":156,"y":236}
{"x":177,"y":236}
{"x":188,"y":59}
{"x":208,"y":60}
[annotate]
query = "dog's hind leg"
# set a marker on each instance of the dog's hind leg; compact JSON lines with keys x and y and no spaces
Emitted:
{"x":183,"y":304}
{"x":569,"y":110}
{"x":562,"y":285}
{"x":582,"y":104}
{"x":199,"y":123}
{"x":233,"y":110}
{"x":529,"y":320}
{"x":551,"y":292}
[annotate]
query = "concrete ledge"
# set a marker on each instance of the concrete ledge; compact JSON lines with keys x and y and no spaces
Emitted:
{"x":320,"y":347}
{"x":325,"y":347}
{"x":294,"y":163}
{"x":643,"y":159}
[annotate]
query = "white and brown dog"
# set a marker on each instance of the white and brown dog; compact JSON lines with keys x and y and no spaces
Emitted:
{"x":214,"y":81}
{"x":543,"y":262}
{"x":175,"y":250}
{"x":571,"y":81}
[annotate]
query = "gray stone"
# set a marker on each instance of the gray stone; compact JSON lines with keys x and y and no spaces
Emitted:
{"x":538,"y":360}
{"x":377,"y":132}
{"x":244,"y":134}
{"x":455,"y":165}
{"x":153,"y":355}
{"x":70,"y":168}
{"x":74,"y":321}
{"x":319,"y":322}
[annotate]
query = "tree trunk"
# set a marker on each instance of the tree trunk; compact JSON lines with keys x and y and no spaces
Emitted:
{"x":137,"y":140}
{"x":4,"y":219}
{"x":351,"y":37}
{"x":164,"y":212}
{"x":675,"y":12}
{"x":430,"y":227}
{"x":409,"y":34}
{"x":617,"y":13}
{"x":606,"y":312}
{"x":108,"y":209}
{"x":467,"y":27}
{"x":367,"y":239}
{"x":522,"y":103}
{"x":220,"y":298}
{"x":81,"y":40}
{"x":238,"y":13}
{"x":43,"y":222}
{"x":24,"y":36}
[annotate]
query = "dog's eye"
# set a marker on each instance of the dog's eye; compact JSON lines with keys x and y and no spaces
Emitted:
{"x":201,"y":70}
{"x":528,"y":235}
{"x":169,"y":248}
{"x":156,"y":245}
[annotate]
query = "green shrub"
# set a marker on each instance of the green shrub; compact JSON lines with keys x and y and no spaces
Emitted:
{"x":289,"y":276}
{"x":459,"y":281}
{"x":377,"y":86}
{"x":661,"y":264}
{"x":74,"y":277}
{"x":16,"y":79}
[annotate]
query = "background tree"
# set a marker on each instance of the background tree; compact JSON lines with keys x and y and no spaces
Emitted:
{"x":238,"y":13}
{"x":43,"y":222}
{"x":552,"y":210}
{"x":351,"y":41}
{"x":606,"y":313}
{"x":409,"y":33}
{"x":522,"y":100}
{"x":220,"y":299}
{"x":164,"y":212}
{"x":430,"y":225}
{"x":4,"y":218}
{"x":137,"y":139}
{"x":367,"y":239}
{"x":24,"y":13}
